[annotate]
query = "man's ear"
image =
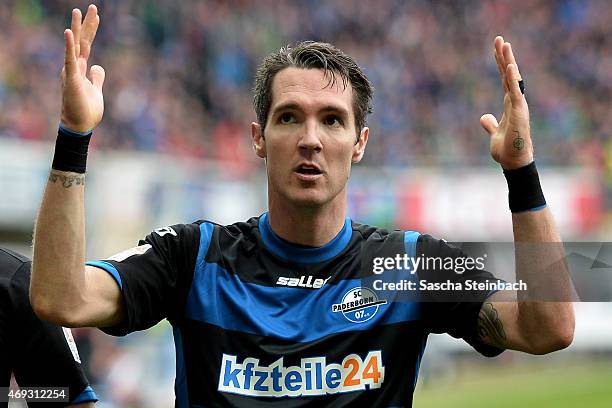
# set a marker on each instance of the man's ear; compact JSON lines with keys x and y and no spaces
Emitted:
{"x":359,"y":147}
{"x":259,"y":143}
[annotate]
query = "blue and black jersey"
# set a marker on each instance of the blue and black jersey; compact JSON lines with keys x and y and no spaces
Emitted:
{"x":38,"y":353}
{"x":259,"y":321}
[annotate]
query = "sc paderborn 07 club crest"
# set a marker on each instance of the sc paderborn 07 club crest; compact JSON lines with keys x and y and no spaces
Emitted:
{"x":358,"y":305}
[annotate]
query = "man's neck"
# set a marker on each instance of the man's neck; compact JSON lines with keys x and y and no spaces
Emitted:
{"x":307,"y":226}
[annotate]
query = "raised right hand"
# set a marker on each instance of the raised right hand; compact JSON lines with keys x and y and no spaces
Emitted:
{"x":82,"y":99}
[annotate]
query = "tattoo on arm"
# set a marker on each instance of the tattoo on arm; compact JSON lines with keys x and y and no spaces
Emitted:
{"x":490,"y":328}
{"x":518,"y":142}
{"x":67,"y":181}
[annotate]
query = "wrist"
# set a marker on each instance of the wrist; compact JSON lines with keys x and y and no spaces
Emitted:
{"x":524,"y":189}
{"x":71,"y":150}
{"x":517,"y":163}
{"x":73,"y":130}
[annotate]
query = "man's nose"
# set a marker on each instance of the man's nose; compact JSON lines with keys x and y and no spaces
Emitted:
{"x":310,"y":137}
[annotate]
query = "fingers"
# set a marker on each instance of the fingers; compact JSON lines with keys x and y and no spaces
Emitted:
{"x":489,"y":123}
{"x":89,"y":29}
{"x":512,"y":73}
{"x":97,"y":75}
{"x":70,"y":63}
{"x":509,"y":56}
{"x":504,"y":58}
{"x":499,"y":59}
{"x":75,"y":26}
{"x":79,"y":39}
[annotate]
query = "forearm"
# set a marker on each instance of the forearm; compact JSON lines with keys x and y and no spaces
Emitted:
{"x":58,"y":274}
{"x":545,"y":312}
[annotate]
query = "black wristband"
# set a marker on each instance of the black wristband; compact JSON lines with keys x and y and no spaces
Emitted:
{"x":71,"y":151}
{"x":524,"y":190}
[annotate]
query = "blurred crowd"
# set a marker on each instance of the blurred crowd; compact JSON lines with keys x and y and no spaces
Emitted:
{"x":179,"y":74}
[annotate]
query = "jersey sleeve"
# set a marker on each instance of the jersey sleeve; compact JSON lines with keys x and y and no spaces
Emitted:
{"x":42,"y":354}
{"x":453,"y":311}
{"x":154,"y":277}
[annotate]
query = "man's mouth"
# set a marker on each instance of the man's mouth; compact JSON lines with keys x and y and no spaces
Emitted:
{"x":308,"y":172}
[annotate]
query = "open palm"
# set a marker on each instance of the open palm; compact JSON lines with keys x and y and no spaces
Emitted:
{"x":511,"y":144}
{"x":82,"y":99}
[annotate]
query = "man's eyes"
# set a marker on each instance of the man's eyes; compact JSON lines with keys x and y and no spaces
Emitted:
{"x":286,"y":118}
{"x":332,"y":120}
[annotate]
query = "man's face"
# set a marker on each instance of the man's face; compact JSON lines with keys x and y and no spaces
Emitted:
{"x":309,"y":138}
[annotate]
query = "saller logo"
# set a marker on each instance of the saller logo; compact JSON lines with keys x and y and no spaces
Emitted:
{"x":311,"y":378}
{"x":302,"y":282}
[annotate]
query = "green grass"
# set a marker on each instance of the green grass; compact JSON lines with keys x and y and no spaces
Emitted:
{"x":569,"y":385}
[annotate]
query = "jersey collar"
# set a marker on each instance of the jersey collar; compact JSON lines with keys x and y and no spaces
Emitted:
{"x":300,"y":254}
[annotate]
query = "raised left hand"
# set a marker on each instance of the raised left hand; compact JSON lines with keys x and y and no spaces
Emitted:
{"x":511,"y":144}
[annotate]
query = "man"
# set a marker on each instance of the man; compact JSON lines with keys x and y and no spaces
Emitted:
{"x":277,"y":310}
{"x":42,"y":356}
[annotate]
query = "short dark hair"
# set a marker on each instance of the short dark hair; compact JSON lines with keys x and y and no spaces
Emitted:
{"x":313,"y":55}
